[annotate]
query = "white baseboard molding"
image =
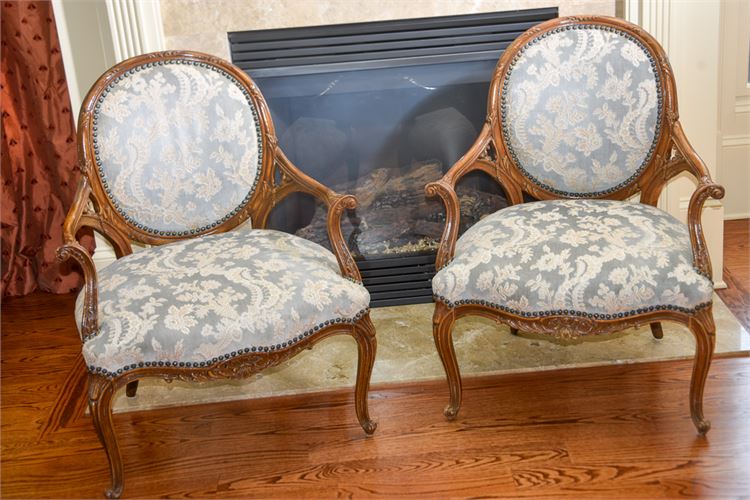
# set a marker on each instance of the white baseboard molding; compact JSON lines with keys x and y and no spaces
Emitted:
{"x":737,"y":216}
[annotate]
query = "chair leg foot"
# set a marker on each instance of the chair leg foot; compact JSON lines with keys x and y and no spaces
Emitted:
{"x":131,"y":389}
{"x":702,"y":327}
{"x":656,"y":330}
{"x":364,"y":333}
{"x":442,"y":331}
{"x":101,"y":391}
{"x":451,"y":412}
{"x":112,"y":492}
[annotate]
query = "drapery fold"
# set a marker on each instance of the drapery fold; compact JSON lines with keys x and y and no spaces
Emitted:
{"x":39,"y":159}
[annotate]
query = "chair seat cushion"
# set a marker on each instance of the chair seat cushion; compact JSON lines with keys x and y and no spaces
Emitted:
{"x":206,"y":299}
{"x":596,"y":258}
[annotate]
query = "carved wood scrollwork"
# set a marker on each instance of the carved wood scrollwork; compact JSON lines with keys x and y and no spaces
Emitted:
{"x":336,"y":209}
{"x":489,"y":153}
{"x":706,"y":189}
{"x":447,"y":193}
{"x":564,"y":327}
{"x":90,"y":322}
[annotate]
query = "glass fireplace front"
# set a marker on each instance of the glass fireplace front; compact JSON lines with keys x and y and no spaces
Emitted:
{"x":378,"y":110}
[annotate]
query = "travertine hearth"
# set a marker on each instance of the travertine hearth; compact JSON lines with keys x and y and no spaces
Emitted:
{"x":406,"y":352}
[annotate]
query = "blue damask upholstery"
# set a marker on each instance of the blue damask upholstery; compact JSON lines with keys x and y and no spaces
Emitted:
{"x":177,"y":146}
{"x":199,"y":301}
{"x":597,"y":258}
{"x":581,"y":109}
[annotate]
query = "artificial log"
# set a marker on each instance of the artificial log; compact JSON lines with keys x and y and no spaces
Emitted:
{"x":393,"y":217}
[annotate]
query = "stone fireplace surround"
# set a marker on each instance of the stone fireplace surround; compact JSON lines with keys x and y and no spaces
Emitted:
{"x":203,"y":26}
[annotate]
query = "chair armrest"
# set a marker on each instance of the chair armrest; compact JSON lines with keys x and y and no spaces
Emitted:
{"x":80,"y":216}
{"x":706,"y":189}
{"x":294,"y":180}
{"x":446,"y":190}
{"x":72,"y":249}
{"x":476,"y":158}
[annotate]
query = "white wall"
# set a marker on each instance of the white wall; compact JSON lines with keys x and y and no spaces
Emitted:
{"x":86,"y":44}
{"x":734,"y":112}
{"x":690,"y":32}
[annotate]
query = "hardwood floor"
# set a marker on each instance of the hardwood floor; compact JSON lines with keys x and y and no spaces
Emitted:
{"x":616,"y":431}
{"x":737,"y":269}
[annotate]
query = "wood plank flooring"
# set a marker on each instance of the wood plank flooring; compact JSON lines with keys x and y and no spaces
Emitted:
{"x":737,"y":269}
{"x":606,"y":432}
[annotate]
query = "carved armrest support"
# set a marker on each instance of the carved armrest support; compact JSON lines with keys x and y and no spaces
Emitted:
{"x":72,"y":249}
{"x":294,"y":180}
{"x":80,"y":216}
{"x":90,"y":321}
{"x":706,"y":189}
{"x":447,"y":193}
{"x":445,"y":188}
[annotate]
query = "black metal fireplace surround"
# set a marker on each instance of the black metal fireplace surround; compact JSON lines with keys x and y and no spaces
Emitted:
{"x":378,"y":110}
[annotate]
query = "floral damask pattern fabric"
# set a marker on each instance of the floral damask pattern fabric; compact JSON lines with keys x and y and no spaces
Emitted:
{"x":589,"y":256}
{"x":581,"y":108}
{"x":198,"y":299}
{"x":177,"y":146}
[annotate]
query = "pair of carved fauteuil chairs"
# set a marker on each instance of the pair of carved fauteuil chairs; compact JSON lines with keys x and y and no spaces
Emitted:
{"x":177,"y":149}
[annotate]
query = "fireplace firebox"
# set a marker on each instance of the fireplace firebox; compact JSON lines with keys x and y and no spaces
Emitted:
{"x":378,"y":110}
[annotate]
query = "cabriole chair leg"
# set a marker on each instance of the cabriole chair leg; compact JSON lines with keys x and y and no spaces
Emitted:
{"x":131,"y":389}
{"x":656,"y":330}
{"x":442,"y":331}
{"x":704,"y":331}
{"x":364,"y":334}
{"x":101,"y":391}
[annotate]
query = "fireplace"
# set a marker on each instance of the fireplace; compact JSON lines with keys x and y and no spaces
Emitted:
{"x":378,"y":110}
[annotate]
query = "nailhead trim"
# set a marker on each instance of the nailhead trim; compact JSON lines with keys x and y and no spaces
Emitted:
{"x":185,"y":232}
{"x":228,"y":356}
{"x":568,"y":312}
{"x":504,"y":106}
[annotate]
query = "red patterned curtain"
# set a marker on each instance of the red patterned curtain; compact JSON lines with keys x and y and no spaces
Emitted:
{"x":39,"y":160}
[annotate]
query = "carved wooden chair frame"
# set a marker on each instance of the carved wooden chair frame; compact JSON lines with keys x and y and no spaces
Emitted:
{"x":673,"y":154}
{"x":278,"y":178}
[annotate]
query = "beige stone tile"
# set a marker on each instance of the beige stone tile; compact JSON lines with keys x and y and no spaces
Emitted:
{"x":406,"y":352}
{"x":203,"y":25}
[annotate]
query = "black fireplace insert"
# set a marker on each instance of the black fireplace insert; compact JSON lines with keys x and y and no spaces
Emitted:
{"x":378,"y":110}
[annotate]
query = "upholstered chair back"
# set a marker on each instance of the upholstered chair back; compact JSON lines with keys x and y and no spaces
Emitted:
{"x":177,"y":143}
{"x":580,"y":108}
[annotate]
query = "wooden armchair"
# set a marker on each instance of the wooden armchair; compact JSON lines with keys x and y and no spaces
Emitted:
{"x":176,"y":150}
{"x":582,"y":114}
